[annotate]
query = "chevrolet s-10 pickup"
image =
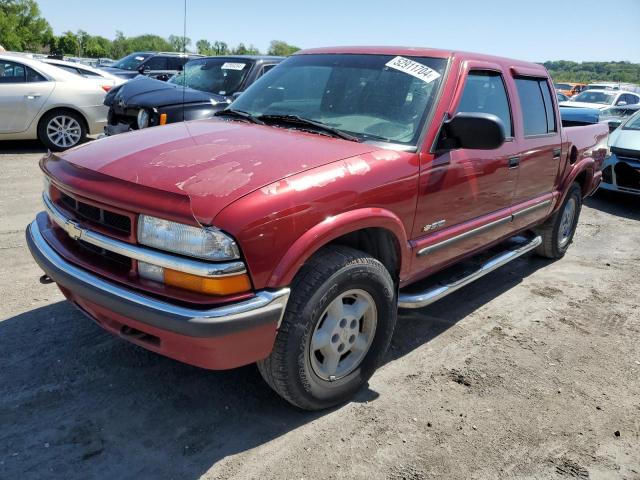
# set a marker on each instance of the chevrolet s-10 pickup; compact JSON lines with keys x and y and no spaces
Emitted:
{"x":288,"y":230}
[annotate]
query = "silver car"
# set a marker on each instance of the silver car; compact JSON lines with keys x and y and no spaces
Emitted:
{"x":44,"y":102}
{"x":621,"y":170}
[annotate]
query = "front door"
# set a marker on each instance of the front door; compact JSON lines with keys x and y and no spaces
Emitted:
{"x":23,"y":92}
{"x":465,"y":195}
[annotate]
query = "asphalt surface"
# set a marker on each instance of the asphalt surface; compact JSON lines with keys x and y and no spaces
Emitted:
{"x":531,"y":372}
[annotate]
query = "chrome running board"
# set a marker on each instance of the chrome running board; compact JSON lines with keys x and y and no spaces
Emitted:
{"x":435,"y":293}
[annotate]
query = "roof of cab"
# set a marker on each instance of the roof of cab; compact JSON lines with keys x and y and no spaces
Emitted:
{"x":423,"y":52}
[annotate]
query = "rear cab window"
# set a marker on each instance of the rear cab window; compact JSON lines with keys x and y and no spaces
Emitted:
{"x":536,"y":104}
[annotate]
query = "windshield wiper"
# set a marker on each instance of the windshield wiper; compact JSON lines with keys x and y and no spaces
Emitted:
{"x":296,"y":120}
{"x":229,"y":112}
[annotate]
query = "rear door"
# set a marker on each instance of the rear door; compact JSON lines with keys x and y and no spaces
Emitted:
{"x":539,"y":160}
{"x":465,"y":195}
{"x":23,"y":93}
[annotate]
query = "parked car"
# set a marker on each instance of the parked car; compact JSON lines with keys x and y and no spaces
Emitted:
{"x":159,"y":65}
{"x":103,"y":79}
{"x":287,"y":230}
{"x":622,"y":166}
{"x":569,"y":89}
{"x":615,"y":116}
{"x":210,"y":83}
{"x":602,"y":99}
{"x":41,"y":101}
{"x":573,"y":117}
{"x":561,"y":97}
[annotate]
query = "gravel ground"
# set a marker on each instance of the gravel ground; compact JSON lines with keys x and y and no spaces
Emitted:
{"x":532,"y":372}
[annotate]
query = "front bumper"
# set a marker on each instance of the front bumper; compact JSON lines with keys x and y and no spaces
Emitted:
{"x":621,"y":175}
{"x":223,"y":337}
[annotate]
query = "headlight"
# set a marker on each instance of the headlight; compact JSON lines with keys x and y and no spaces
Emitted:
{"x":207,"y":243}
{"x":143,"y":118}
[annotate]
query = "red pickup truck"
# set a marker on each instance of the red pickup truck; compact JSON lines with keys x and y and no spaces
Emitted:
{"x":289,"y":229}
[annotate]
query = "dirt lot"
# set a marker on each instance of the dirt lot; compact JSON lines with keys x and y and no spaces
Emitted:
{"x":532,"y":372}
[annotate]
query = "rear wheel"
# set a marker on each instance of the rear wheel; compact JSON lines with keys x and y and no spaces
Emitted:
{"x":335,"y":331}
{"x":61,"y":129}
{"x":558,"y":231}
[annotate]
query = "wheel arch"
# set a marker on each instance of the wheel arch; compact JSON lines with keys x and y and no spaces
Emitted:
{"x":375,"y":231}
{"x":65,"y":108}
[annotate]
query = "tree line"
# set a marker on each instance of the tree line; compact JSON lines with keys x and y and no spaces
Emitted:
{"x":587,"y":72}
{"x":23,"y":29}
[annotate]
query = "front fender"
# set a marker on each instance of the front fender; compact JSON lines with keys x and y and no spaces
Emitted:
{"x":336,"y":226}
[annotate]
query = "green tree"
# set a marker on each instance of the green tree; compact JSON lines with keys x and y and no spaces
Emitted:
{"x":281,"y":49}
{"x":67,"y":44}
{"x":151,"y":43}
{"x":220,"y":48}
{"x":179,"y":43}
{"x":97,"y":47}
{"x":203,"y":47}
{"x":22,"y":27}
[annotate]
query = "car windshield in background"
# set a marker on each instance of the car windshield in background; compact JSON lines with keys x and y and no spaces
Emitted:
{"x":563,"y":86}
{"x":131,"y":62}
{"x":213,"y":75}
{"x":372,"y":97}
{"x":633,"y":123}
{"x":595,"y":97}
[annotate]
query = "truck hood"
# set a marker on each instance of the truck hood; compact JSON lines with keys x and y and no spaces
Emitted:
{"x":214,"y":162}
{"x":147,"y":92}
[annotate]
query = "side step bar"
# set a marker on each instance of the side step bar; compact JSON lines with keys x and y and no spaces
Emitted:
{"x":435,"y":293}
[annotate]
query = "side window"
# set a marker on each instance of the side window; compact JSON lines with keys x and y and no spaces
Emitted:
{"x":87,"y":73}
{"x":156,"y":63}
{"x":11,"y":72}
{"x":176,"y":63}
{"x":66,"y":68}
{"x":33,"y":76}
{"x":537,"y":107}
{"x":484,"y":92}
{"x":265,"y":69}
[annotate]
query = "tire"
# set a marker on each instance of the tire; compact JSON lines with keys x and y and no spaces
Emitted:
{"x":340,"y":297}
{"x":59,"y":130}
{"x":557,"y":232}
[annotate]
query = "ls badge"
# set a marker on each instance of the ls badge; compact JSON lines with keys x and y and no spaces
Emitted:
{"x":434,"y":226}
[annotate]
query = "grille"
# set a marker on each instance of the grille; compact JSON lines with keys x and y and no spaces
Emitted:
{"x":110,"y":220}
{"x":115,"y":257}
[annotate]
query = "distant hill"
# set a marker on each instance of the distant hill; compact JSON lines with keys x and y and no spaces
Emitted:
{"x":586,"y":72}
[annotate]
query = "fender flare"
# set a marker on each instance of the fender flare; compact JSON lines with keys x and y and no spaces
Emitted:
{"x":336,"y":226}
{"x":587,"y":165}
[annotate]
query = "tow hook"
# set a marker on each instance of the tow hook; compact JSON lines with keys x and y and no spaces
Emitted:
{"x":45,"y":279}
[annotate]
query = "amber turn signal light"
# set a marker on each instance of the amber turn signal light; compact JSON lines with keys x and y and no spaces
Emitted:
{"x":163,"y":119}
{"x":211,"y":286}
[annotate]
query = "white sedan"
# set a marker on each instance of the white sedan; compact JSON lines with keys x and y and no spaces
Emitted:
{"x":44,"y":102}
{"x":103,"y":79}
{"x":602,"y":99}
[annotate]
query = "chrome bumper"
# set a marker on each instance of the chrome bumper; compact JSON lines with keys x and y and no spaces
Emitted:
{"x":265,"y":307}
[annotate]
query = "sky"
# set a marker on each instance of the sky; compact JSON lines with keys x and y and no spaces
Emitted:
{"x":533,"y":30}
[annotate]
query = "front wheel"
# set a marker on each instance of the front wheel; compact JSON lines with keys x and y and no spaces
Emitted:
{"x":61,"y":129}
{"x":335,"y":331}
{"x":558,"y":231}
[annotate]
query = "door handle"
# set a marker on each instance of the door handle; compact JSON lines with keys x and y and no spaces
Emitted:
{"x":514,"y":162}
{"x":33,"y":96}
{"x":556,"y":153}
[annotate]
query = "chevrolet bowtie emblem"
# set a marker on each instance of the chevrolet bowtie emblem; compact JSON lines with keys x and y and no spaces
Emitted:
{"x":73,"y":229}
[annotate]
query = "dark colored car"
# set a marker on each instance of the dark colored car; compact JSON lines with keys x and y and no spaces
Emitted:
{"x":160,"y":65}
{"x":210,"y":84}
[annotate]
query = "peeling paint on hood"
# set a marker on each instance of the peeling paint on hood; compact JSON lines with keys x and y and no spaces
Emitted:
{"x":213,"y":162}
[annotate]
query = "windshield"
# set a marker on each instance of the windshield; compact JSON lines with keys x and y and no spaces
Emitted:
{"x":131,"y":62}
{"x":563,"y":86}
{"x":602,"y":98}
{"x":633,"y":123}
{"x":375,"y":97}
{"x":213,"y":75}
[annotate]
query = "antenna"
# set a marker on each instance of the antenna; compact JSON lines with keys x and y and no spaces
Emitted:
{"x":184,"y":52}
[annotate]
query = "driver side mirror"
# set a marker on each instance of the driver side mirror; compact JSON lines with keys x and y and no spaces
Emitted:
{"x":473,"y":130}
{"x":143,"y":70}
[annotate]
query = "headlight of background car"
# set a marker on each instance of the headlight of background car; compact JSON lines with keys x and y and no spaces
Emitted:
{"x":207,"y":243}
{"x":143,"y":118}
